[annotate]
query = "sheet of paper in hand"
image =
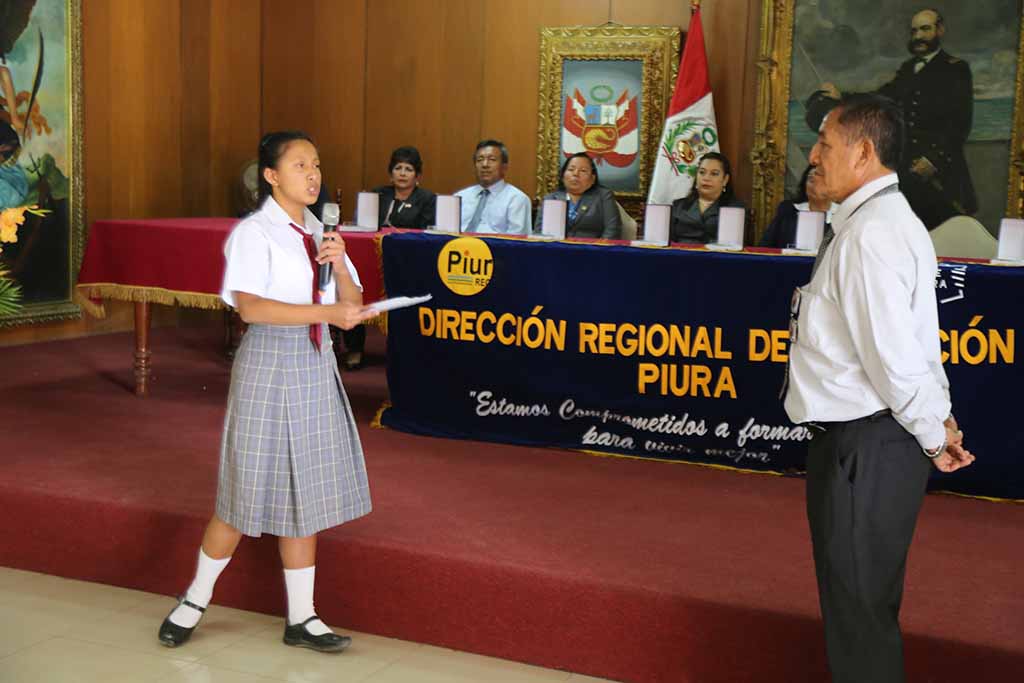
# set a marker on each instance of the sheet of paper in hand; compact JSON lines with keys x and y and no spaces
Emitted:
{"x":398,"y":302}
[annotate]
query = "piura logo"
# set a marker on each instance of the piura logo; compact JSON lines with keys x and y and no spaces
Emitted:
{"x":465,"y":265}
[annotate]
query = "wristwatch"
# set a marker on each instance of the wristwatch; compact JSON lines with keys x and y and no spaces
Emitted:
{"x":935,"y":452}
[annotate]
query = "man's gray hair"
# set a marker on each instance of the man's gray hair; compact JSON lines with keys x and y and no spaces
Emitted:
{"x":876,"y":118}
{"x":492,"y":143}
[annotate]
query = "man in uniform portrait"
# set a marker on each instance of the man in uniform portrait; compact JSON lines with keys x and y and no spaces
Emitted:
{"x":934,"y":89}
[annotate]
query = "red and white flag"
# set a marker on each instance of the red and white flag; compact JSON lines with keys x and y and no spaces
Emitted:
{"x":690,"y":129}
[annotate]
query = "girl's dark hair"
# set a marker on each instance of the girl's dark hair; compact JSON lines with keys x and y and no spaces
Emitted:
{"x":272,"y":147}
{"x":408,"y":155}
{"x":565,"y":165}
{"x":726,"y":167}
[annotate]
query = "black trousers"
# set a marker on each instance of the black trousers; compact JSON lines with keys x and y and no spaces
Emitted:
{"x":866,"y":481}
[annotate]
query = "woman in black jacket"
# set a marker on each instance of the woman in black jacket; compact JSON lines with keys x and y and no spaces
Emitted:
{"x":695,"y":217}
{"x":403,"y":203}
{"x":781,"y":232}
{"x":592,"y":208}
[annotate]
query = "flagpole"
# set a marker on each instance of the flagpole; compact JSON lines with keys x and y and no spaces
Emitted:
{"x":690,"y":128}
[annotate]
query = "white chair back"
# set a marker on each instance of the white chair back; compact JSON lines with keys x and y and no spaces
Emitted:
{"x":963,"y":236}
{"x":628,"y":224}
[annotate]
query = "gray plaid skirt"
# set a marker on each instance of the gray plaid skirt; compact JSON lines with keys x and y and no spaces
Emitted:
{"x":290,"y":462}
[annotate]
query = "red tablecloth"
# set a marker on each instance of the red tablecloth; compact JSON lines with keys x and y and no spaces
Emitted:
{"x":181,"y":261}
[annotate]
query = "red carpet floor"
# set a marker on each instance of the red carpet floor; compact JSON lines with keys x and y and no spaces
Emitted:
{"x":631,"y":570}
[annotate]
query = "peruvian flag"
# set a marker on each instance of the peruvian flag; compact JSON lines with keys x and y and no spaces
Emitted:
{"x":690,"y":129}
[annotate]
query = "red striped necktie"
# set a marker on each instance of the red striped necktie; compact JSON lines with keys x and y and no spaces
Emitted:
{"x":307,"y":241}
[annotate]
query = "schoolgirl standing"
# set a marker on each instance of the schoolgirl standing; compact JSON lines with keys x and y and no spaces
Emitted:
{"x":291,"y":464}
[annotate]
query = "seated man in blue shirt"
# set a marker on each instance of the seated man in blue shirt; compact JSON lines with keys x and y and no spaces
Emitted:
{"x":492,"y":205}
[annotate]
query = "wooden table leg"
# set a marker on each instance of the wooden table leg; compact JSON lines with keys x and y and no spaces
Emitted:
{"x":142,"y":352}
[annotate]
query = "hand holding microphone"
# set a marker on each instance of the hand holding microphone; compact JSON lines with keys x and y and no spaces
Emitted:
{"x":332,"y":249}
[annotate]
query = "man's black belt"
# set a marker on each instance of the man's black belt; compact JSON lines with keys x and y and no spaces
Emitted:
{"x":825,"y":426}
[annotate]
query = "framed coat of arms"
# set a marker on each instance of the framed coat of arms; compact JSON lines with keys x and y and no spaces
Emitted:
{"x":603,"y":91}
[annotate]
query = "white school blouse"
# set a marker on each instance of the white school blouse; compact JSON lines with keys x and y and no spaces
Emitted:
{"x":266,"y":257}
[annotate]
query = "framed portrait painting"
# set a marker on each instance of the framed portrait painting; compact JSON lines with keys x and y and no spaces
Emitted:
{"x":954,"y":69}
{"x":41,"y":198}
{"x":603,"y":91}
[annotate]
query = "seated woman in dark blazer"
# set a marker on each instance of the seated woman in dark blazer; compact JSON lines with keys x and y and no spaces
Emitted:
{"x":592,"y":208}
{"x":695,"y":217}
{"x":403,"y":203}
{"x":781,"y":232}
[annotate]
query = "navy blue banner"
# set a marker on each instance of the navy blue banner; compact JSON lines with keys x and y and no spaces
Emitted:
{"x":661,"y":353}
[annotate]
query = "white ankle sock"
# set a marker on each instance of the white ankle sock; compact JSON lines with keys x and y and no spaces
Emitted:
{"x":201,"y":590}
{"x":299,"y":583}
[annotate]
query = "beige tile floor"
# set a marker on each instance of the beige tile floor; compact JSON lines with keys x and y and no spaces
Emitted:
{"x":55,"y":630}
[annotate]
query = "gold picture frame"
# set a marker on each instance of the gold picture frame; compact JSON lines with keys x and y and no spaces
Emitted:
{"x":771,"y":127}
{"x":55,"y":129}
{"x":648,"y":57}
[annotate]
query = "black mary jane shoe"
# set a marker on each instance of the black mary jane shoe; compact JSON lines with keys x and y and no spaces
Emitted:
{"x":299,"y":636}
{"x":172,"y":635}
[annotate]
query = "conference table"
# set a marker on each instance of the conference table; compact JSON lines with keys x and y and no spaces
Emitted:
{"x":179,"y":262}
{"x":674,"y":353}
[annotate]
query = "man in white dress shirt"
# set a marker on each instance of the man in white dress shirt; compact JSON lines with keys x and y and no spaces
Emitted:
{"x":492,"y":205}
{"x":865,"y":373}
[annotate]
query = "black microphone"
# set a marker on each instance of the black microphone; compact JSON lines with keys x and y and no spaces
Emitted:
{"x":331,"y":214}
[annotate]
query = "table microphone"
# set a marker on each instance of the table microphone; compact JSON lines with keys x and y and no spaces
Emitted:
{"x":331,"y":213}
